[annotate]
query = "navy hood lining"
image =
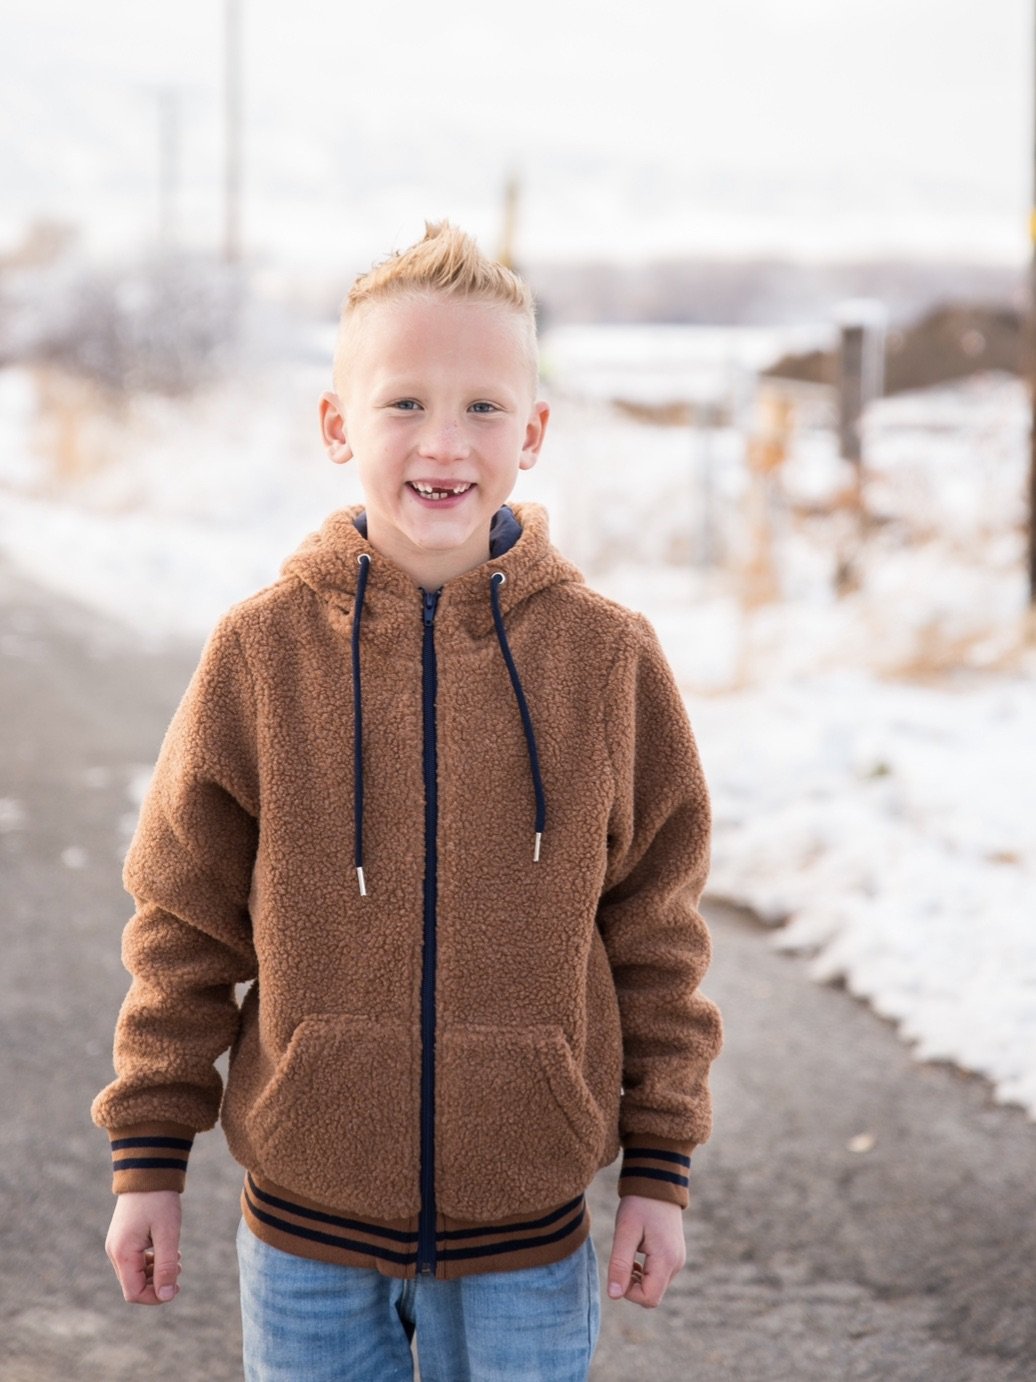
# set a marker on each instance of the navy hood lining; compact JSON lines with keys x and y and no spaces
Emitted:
{"x":504,"y":531}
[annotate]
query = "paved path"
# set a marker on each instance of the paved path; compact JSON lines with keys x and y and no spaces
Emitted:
{"x":806,"y":1260}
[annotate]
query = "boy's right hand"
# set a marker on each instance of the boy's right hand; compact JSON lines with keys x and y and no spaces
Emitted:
{"x":143,"y":1245}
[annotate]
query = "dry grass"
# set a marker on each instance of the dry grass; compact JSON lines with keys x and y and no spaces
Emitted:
{"x":80,"y":429}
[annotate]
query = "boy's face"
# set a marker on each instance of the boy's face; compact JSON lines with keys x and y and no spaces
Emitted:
{"x":437,"y":394}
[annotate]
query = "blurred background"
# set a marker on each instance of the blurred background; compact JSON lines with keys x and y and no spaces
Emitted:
{"x":781,"y":254}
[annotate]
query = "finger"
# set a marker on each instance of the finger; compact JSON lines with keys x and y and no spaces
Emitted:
{"x":166,"y":1261}
{"x":649,"y":1285}
{"x":130,"y":1269}
{"x":625,"y":1245}
{"x":641,"y":1293}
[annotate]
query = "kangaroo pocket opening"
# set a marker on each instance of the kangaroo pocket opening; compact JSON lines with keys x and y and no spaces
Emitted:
{"x":338,"y":1121}
{"x":517,"y":1128}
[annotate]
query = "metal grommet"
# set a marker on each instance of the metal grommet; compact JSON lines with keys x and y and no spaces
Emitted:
{"x":503,"y":578}
{"x":364,"y":556}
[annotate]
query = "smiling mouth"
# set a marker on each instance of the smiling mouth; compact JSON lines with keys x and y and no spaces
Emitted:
{"x":431,"y":492}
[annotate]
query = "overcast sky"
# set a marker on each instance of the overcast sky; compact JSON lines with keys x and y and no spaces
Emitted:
{"x":804,"y":126}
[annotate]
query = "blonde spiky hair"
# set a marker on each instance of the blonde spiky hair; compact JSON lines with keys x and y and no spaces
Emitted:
{"x":448,"y":262}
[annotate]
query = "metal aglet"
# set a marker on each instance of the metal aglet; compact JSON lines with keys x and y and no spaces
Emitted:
{"x":363,"y":885}
{"x":536,"y":852}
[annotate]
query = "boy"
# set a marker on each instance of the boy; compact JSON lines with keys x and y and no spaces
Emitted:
{"x":439,"y":804}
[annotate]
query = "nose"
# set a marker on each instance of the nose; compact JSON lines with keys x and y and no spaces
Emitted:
{"x":443,"y":438}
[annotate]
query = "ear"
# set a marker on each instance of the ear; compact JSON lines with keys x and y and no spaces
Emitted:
{"x":535,"y":430}
{"x":332,"y":429}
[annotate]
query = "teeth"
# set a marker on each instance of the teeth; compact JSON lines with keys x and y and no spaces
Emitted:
{"x":438,"y":493}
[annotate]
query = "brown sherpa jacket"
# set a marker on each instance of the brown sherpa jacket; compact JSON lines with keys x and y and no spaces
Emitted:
{"x":444,"y":1037}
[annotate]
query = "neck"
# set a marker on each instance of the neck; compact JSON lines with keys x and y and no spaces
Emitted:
{"x":429,"y":570}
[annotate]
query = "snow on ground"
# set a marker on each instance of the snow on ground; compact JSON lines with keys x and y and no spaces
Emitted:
{"x":165,"y":514}
{"x":869,"y":753}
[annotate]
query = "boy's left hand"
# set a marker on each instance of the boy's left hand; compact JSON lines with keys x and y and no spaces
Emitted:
{"x":654,"y":1228}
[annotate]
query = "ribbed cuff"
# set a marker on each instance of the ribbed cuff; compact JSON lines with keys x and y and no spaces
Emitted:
{"x":150,"y":1156}
{"x":657,"y":1168}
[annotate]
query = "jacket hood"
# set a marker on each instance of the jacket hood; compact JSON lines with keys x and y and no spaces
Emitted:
{"x":329,"y":561}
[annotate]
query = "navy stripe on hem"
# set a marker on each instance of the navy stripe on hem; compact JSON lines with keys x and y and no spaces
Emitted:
{"x":515,"y":1245}
{"x":649,"y":1173}
{"x":182,"y":1143}
{"x":486,"y":1230}
{"x":149,"y":1163}
{"x":331,"y":1240}
{"x":656,"y":1155}
{"x":318,"y":1216}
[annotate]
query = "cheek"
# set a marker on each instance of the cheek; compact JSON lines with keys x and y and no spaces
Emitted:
{"x":379,"y":456}
{"x":508,"y":445}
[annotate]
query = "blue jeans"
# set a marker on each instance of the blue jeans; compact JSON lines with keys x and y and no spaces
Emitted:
{"x":319,"y":1321}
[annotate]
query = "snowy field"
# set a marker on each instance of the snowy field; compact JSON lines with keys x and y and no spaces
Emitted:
{"x":869,"y":752}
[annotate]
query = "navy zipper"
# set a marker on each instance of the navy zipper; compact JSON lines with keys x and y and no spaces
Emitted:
{"x":426,"y":1223}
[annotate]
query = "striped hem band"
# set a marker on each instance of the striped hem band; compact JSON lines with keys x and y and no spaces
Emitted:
{"x":286,"y":1221}
{"x":149,"y":1161}
{"x":658,"y":1169}
{"x":151,"y":1153}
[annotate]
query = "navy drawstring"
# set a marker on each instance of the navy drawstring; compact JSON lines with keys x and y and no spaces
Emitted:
{"x":495,"y":582}
{"x":530,"y":737}
{"x":361,"y":587}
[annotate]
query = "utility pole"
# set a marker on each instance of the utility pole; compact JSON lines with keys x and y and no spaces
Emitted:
{"x":232,"y":170}
{"x":861,"y":379}
{"x":861,"y":373}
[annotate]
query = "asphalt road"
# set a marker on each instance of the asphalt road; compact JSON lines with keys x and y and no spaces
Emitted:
{"x":855,"y":1215}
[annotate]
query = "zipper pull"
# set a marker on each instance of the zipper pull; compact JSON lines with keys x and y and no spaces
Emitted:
{"x":431,"y":599}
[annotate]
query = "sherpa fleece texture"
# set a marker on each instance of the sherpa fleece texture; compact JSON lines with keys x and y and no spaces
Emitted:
{"x":569,"y":1020}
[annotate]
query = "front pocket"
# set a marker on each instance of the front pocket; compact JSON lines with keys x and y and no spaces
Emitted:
{"x":517,"y":1129}
{"x":338,"y":1121}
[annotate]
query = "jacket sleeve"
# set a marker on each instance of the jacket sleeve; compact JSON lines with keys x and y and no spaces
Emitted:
{"x":657,"y":941}
{"x":189,"y":870}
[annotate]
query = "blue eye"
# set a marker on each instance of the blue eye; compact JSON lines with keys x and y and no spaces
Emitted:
{"x":407,"y":404}
{"x":488,"y":407}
